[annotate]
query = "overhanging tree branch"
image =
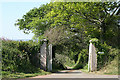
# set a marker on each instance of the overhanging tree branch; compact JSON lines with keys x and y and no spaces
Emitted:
{"x":115,"y":10}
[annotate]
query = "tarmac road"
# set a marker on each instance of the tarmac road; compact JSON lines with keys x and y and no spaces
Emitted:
{"x":71,"y":74}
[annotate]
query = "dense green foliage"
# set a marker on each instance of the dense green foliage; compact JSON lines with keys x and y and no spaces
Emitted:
{"x":57,"y":64}
{"x":109,"y":54}
{"x":19,"y":56}
{"x":93,"y":19}
{"x":62,"y":62}
{"x":102,"y":59}
{"x":82,"y":59}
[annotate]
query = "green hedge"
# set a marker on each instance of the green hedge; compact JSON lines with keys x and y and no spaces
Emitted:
{"x":20,"y":56}
{"x":102,"y":59}
{"x":109,"y":54}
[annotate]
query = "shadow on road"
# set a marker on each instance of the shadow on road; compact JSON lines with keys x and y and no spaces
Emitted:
{"x":69,"y":71}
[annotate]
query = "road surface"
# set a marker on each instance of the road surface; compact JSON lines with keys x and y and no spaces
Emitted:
{"x":71,"y":74}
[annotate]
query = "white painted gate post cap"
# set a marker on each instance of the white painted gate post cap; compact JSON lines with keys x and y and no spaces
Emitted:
{"x":90,"y":41}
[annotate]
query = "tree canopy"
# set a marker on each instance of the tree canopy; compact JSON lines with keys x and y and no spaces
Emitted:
{"x":94,"y":19}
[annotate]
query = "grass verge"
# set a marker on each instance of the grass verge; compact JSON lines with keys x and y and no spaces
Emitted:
{"x":7,"y":74}
{"x":111,"y":68}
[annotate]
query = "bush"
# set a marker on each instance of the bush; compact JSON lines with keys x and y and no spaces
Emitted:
{"x":102,"y":59}
{"x":86,"y":66}
{"x":57,"y":64}
{"x":109,"y":54}
{"x":82,"y":59}
{"x":20,"y":56}
{"x":9,"y":58}
{"x":30,"y":49}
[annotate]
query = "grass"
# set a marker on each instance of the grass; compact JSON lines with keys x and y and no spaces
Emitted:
{"x":10,"y":75}
{"x":7,"y":74}
{"x":111,"y":68}
{"x":84,"y":70}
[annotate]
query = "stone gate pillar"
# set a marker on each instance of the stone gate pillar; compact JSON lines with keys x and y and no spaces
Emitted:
{"x":49,"y":58}
{"x":92,"y":61}
{"x":43,"y":52}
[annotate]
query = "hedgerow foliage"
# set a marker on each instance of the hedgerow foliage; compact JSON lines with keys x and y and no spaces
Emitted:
{"x":20,"y":56}
{"x":109,"y":54}
{"x":82,"y":59}
{"x":102,"y":59}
